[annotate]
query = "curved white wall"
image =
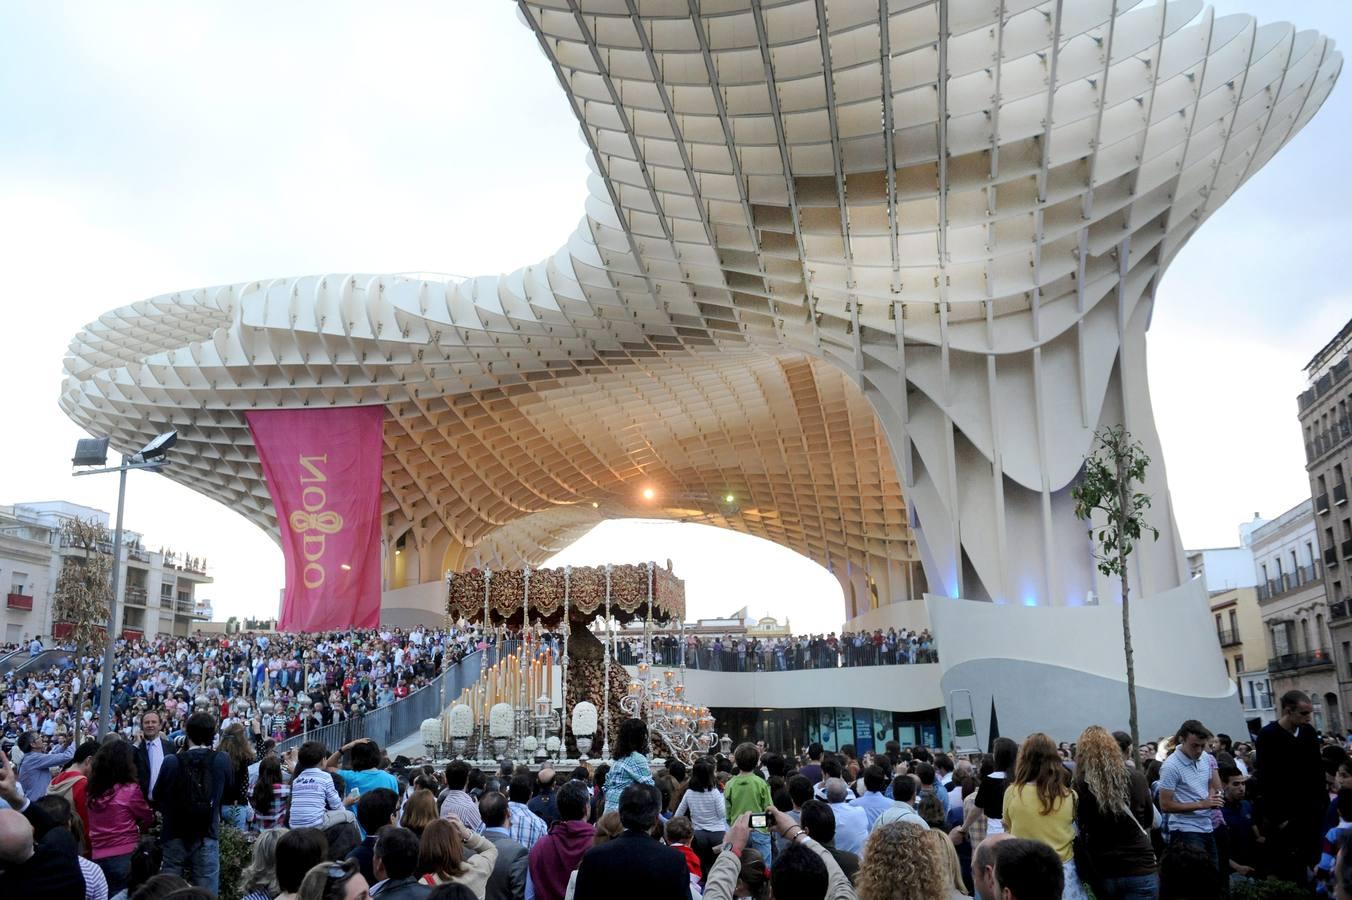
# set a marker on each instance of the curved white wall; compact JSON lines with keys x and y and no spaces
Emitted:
{"x":893,"y":688}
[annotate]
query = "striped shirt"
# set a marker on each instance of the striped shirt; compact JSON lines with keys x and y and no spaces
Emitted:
{"x":96,"y":884}
{"x":527,"y":827}
{"x":462,"y":805}
{"x":312,"y":792}
{"x":707,"y":810}
{"x":1190,"y":781}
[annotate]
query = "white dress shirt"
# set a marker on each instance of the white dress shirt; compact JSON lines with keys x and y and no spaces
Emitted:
{"x":155,"y":753}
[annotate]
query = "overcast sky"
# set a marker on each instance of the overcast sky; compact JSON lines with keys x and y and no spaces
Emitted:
{"x":151,"y":147}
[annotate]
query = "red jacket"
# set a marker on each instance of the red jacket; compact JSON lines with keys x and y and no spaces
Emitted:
{"x":691,"y":860}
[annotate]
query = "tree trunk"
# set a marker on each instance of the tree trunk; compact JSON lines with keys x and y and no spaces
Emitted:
{"x":1123,"y":494}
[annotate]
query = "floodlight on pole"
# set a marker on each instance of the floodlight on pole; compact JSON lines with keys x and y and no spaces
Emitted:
{"x":94,"y":452}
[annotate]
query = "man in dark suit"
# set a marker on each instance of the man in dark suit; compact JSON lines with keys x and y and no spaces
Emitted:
{"x":634,"y":864}
{"x":508,"y":880}
{"x":151,"y":752}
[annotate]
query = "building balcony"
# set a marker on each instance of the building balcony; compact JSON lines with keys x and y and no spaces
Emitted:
{"x":1346,"y":547}
{"x":19,"y":601}
{"x":1229,"y":637}
{"x":1324,"y":385}
{"x":1339,"y":610}
{"x":1322,"y":443}
{"x":1321,"y":504}
{"x":1290,"y":581}
{"x":135,"y":596}
{"x":1331,"y":557}
{"x":1292,"y":662}
{"x":1339,"y":494}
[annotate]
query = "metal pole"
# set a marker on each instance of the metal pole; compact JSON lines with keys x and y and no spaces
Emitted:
{"x":106,"y":695}
{"x":564,"y":722}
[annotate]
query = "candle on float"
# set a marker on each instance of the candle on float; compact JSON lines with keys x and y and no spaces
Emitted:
{"x":549,"y":677}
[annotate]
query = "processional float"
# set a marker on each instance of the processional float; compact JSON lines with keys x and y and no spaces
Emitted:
{"x":514,"y":711}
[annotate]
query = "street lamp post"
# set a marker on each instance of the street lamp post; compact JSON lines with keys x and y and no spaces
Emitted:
{"x":94,"y":452}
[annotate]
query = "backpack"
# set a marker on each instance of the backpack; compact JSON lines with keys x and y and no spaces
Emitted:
{"x":196,"y":792}
{"x":66,"y":788}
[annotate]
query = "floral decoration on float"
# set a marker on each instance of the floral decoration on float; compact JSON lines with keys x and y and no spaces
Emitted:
{"x":584,"y":718}
{"x":500,"y":721}
{"x":462,"y":721}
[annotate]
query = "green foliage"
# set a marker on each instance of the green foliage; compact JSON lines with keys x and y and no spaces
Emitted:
{"x":1115,"y":464}
{"x":236,"y":853}
{"x":1267,"y":890}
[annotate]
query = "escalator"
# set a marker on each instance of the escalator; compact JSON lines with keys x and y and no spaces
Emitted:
{"x":62,"y":659}
{"x":12,"y":660}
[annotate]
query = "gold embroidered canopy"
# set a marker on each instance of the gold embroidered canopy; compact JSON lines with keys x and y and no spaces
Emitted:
{"x":634,"y":590}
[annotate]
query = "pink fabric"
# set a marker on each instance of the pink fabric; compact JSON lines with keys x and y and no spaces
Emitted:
{"x":115,"y":821}
{"x":323,"y":469}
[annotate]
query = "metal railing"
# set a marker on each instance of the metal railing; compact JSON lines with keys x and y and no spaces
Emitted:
{"x":390,"y":724}
{"x":1228,"y":636}
{"x":1339,"y":610}
{"x":1335,"y":374}
{"x":1289,"y":581}
{"x":1329,"y":439}
{"x":1290,"y":661}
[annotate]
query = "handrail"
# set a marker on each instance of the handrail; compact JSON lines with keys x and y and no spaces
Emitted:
{"x":389,"y":724}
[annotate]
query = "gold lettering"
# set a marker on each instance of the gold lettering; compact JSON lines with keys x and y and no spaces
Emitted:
{"x":307,"y":499}
{"x":314,"y":518}
{"x":312,"y":546}
{"x":309,"y":464}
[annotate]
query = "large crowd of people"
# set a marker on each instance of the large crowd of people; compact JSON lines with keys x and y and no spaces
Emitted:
{"x":279,"y":685}
{"x":751,"y":653}
{"x":1190,"y":817}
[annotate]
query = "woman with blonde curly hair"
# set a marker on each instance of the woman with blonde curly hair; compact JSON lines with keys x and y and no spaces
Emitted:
{"x":901,"y":863}
{"x":1114,"y":814}
{"x":1039,"y":805}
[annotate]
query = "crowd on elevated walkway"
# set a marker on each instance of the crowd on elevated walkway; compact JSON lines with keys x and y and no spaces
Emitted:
{"x":749,"y":653}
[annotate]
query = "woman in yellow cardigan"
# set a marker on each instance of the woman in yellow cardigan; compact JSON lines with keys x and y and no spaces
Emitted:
{"x":1039,"y":805}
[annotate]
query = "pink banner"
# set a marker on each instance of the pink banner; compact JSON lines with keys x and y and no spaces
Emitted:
{"x":323,"y":468}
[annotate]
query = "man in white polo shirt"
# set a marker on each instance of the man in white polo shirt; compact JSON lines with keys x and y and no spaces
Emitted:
{"x":1190,"y":789}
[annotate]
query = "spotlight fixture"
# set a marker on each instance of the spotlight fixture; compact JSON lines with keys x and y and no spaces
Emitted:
{"x":649,"y":493}
{"x":729,"y":499}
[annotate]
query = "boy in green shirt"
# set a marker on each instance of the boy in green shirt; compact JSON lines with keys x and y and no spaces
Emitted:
{"x":748,"y":792}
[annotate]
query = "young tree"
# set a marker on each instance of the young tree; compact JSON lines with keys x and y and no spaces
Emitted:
{"x":1107,"y":490}
{"x":83,"y":588}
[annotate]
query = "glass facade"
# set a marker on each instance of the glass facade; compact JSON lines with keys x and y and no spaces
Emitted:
{"x":791,"y":730}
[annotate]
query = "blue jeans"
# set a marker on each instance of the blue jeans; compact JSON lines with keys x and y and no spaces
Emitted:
{"x":115,"y":869}
{"x":761,"y":841}
{"x":1131,"y":887}
{"x":237,"y":816}
{"x":201,"y":857}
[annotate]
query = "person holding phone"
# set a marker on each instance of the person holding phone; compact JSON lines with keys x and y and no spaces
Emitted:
{"x":35,"y":769}
{"x":804,"y":869}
